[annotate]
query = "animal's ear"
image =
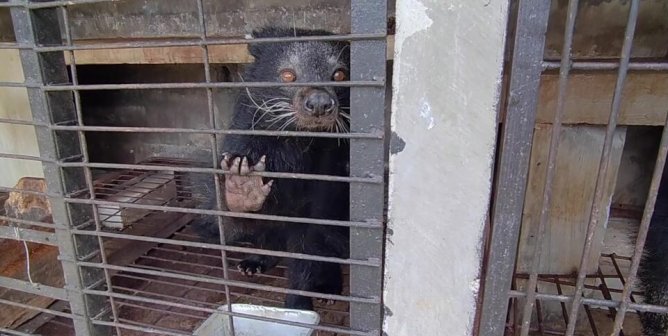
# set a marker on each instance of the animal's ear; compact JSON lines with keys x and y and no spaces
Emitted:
{"x":256,"y":49}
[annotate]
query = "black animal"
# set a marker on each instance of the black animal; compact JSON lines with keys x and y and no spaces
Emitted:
{"x":653,"y":272}
{"x":321,"y":109}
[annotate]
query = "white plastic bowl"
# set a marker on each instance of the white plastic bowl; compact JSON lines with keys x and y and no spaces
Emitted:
{"x":218,"y":324}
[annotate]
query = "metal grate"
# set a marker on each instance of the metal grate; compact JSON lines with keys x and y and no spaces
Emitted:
{"x":528,"y":64}
{"x":101,"y":288}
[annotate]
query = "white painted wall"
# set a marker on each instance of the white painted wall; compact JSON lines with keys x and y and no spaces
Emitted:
{"x":447,"y":80}
{"x":15,"y":139}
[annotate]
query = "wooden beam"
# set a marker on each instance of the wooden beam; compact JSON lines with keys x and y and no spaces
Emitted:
{"x":589,"y":97}
{"x":577,"y":165}
{"x":226,"y":54}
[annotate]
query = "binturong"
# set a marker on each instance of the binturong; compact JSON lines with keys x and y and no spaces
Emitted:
{"x":304,"y":108}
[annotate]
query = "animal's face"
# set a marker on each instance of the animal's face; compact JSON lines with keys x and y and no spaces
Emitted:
{"x":300,"y":108}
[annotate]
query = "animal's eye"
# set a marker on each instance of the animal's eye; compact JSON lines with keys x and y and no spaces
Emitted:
{"x":288,"y":76}
{"x":339,"y":75}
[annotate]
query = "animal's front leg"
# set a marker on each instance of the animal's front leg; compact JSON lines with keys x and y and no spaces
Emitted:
{"x":244,"y":192}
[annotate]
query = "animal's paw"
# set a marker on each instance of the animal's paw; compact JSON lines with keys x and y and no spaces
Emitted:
{"x":325,"y":302}
{"x":250,"y":267}
{"x":244,"y":192}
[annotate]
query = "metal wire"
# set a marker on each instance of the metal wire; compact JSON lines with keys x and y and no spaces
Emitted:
{"x":88,"y":176}
{"x":642,"y":231}
{"x":222,"y":312}
{"x":608,"y":65}
{"x":599,"y":197}
{"x":551,"y":164}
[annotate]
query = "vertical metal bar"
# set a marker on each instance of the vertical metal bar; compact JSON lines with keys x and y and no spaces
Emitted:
{"x":35,"y":27}
{"x":367,"y":106}
{"x":87,"y":171}
{"x":517,"y":133}
{"x":215,"y":157}
{"x":642,"y":232}
{"x":551,"y":164}
{"x":605,"y":161}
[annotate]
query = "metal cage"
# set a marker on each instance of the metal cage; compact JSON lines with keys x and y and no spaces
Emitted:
{"x":527,"y":65}
{"x":98,"y":286}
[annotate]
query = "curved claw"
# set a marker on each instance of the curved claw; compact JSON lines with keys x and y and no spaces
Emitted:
{"x":244,"y":167}
{"x":235,"y":165}
{"x":225,"y":163}
{"x":261,"y":165}
{"x":266,"y":189}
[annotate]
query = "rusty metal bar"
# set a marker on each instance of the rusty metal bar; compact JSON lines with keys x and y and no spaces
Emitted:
{"x":32,"y":27}
{"x":41,"y":310}
{"x":34,"y":236}
{"x":228,"y":313}
{"x":551,"y":164}
{"x":208,"y":41}
{"x":513,"y":166}
{"x":642,"y":231}
{"x":88,"y":176}
{"x":215,"y":159}
{"x":216,"y":85}
{"x":316,"y":177}
{"x":608,"y":65}
{"x":37,"y":289}
{"x":640,"y":307}
{"x":615,"y":109}
{"x":369,"y":262}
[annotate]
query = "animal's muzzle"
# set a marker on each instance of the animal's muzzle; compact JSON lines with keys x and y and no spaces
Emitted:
{"x":319,"y":103}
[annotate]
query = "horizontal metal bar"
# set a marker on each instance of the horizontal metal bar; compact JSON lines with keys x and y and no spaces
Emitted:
{"x":20,"y":122}
{"x":608,"y":65}
{"x":41,"y":310}
{"x":23,"y":157}
{"x":222,"y":312}
{"x":50,"y":4}
{"x":369,"y":262}
{"x":206,"y":267}
{"x":316,"y":177}
{"x":640,"y":307}
{"x":217,"y":85}
{"x":11,"y":45}
{"x":27,"y":222}
{"x":17,"y":85}
{"x":14,"y":332}
{"x":37,"y":289}
{"x":233,"y":283}
{"x":158,"y":331}
{"x":374,"y":135}
{"x":198,"y":42}
{"x":16,"y":233}
{"x":370,"y":224}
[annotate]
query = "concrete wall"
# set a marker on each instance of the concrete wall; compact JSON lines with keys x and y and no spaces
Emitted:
{"x":15,"y":139}
{"x":447,"y":75}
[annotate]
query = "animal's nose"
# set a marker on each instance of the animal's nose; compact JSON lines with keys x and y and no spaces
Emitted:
{"x":319,"y":103}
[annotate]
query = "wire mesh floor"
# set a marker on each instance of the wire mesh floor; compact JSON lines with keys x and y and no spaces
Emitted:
{"x":606,"y":284}
{"x":190,"y":261}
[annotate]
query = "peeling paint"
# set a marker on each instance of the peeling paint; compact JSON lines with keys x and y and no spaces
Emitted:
{"x":425,"y":113}
{"x":415,"y":13}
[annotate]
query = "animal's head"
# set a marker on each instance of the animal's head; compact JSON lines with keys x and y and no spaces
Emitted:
{"x":307,"y":108}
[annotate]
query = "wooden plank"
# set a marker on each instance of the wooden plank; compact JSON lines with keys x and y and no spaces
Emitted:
{"x":225,"y":54}
{"x":44,"y":269}
{"x":589,"y":97}
{"x":125,"y":251}
{"x":572,"y":196}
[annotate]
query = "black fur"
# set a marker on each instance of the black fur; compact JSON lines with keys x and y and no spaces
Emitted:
{"x":653,"y":272}
{"x":312,"y":62}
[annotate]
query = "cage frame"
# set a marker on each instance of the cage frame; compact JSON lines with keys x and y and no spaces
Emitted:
{"x":55,"y":103}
